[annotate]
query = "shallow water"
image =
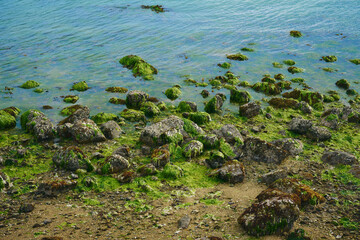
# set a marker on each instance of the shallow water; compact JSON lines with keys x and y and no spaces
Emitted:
{"x":60,"y":42}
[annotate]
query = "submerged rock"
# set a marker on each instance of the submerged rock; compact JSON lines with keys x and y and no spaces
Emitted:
{"x":343,"y":83}
{"x":139,"y":66}
{"x":339,"y":157}
{"x":37,"y":124}
{"x":72,"y":159}
{"x":205,"y":93}
{"x":355,"y":61}
{"x":193,"y":149}
{"x":250,"y":110}
{"x":116,"y":89}
{"x":289,"y":62}
{"x":295,"y":33}
{"x":225,"y":65}
{"x":279,"y":76}
{"x":154,"y":8}
{"x":277,"y":65}
{"x":117,"y":101}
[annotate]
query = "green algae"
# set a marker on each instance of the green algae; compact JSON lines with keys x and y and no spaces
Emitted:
{"x":304,"y":95}
{"x":277,"y":65}
{"x":139,"y":67}
{"x":7,"y":121}
{"x":184,"y":107}
{"x":202,"y":84}
{"x":24,"y":117}
{"x":115,"y":100}
{"x":331,"y":58}
{"x":150,"y":109}
{"x":215,"y":82}
{"x":133,"y":115}
{"x":297,"y":80}
{"x":239,"y":96}
{"x":67,"y":111}
{"x":268,"y":79}
{"x":295,"y":33}
{"x":39,"y":90}
{"x":267,"y":88}
{"x":117,"y":90}
{"x":102,"y":117}
{"x":289,"y":62}
{"x":71,"y":99}
{"x":343,"y":83}
{"x":225,"y":65}
{"x":211,"y":107}
{"x":237,"y":57}
{"x":246,"y":49}
{"x":80,"y":86}
{"x":13,"y":111}
{"x":351,"y":92}
{"x":329,"y":70}
{"x":154,"y":8}
{"x":173,"y":93}
{"x":200,"y":117}
{"x":226,"y":149}
{"x":30,"y":84}
{"x":355,"y":61}
{"x":245,"y":84}
{"x":279,"y":76}
{"x":294,"y":70}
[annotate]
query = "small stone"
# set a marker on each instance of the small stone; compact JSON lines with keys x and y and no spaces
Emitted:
{"x":184,"y":222}
{"x":26,"y":208}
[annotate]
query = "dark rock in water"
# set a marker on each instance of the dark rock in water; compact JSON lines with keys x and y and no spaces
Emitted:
{"x":343,"y":83}
{"x":239,"y":96}
{"x":299,"y":125}
{"x":304,"y":95}
{"x":37,"y":124}
{"x":215,"y":104}
{"x":55,"y":187}
{"x":339,"y":157}
{"x":193,"y":149}
{"x":115,"y":164}
{"x":329,"y":58}
{"x":111,"y":129}
{"x":200,"y":117}
{"x":295,"y":33}
{"x":232,"y":172}
{"x":173,"y":93}
{"x":318,"y":134}
{"x":123,"y":151}
{"x":184,"y":222}
{"x":216,"y":160}
{"x":135,"y":99}
{"x":155,"y":8}
{"x":5,"y":182}
{"x":72,"y":158}
{"x":249,"y":110}
{"x":230,"y":133}
{"x":272,"y":176}
{"x":46,"y":107}
{"x":205,"y":93}
{"x":160,"y":157}
{"x":150,"y":109}
{"x":237,"y":57}
{"x":271,"y":216}
{"x":255,"y":149}
{"x":292,"y":146}
{"x":267,"y":88}
{"x":26,"y":208}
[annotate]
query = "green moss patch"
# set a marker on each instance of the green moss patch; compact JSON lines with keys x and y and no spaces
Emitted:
{"x":116,"y":89}
{"x":238,"y":57}
{"x":30,"y":84}
{"x":80,"y":86}
{"x":139,"y":66}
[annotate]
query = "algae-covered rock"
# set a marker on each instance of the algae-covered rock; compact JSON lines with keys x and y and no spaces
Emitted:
{"x":230,"y":133}
{"x":215,"y":82}
{"x":193,"y":149}
{"x":30,"y":84}
{"x":304,"y":95}
{"x":13,"y":111}
{"x":216,"y":160}
{"x":139,"y":66}
{"x":86,"y":131}
{"x":115,"y":164}
{"x":154,"y":8}
{"x":71,"y":99}
{"x":135,"y":99}
{"x":279,"y":76}
{"x":67,"y":111}
{"x":37,"y":124}
{"x":200,"y":117}
{"x":249,"y":110}
{"x":294,"y":70}
{"x":160,"y":157}
{"x":215,"y":104}
{"x":237,"y":57}
{"x":329,"y":58}
{"x":268,"y":79}
{"x":171,"y":172}
{"x":245,"y":84}
{"x":210,"y":141}
{"x":327,"y":69}
{"x":39,"y":90}
{"x":162,"y":106}
{"x":295,"y":33}
{"x":343,"y":83}
{"x":150,"y":109}
{"x":7,"y":121}
{"x":102,"y":117}
{"x":116,"y":89}
{"x":299,"y":125}
{"x":117,"y":101}
{"x":355,"y":61}
{"x":72,"y":159}
{"x":226,"y":149}
{"x":111,"y":129}
{"x":267,"y":88}
{"x":246,"y":49}
{"x":232,"y":172}
{"x":225,"y":65}
{"x":333,"y":96}
{"x":351,"y":92}
{"x":205,"y":93}
{"x":292,"y":146}
{"x":316,"y":133}
{"x":277,"y":65}
{"x":5,"y":182}
{"x":283,"y":103}
{"x":80,"y":86}
{"x":339,"y":157}
{"x":133,"y":115}
{"x":239,"y":96}
{"x":173,"y":93}
{"x":289,"y":62}
{"x":185,"y":106}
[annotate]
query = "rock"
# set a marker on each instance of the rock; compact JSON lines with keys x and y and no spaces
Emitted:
{"x":249,"y":110}
{"x":279,"y":76}
{"x":305,"y":107}
{"x":205,"y":93}
{"x":30,"y":84}
{"x":123,"y":151}
{"x":343,"y":83}
{"x":37,"y":124}
{"x":318,"y":134}
{"x":199,"y":117}
{"x":216,"y":160}
{"x":355,"y":170}
{"x":78,"y":112}
{"x":185,"y":106}
{"x":210,"y":141}
{"x":133,"y":115}
{"x":272,"y":176}
{"x":283,"y":103}
{"x":160,"y":157}
{"x":55,"y":187}
{"x":150,"y":109}
{"x":298,"y":234}
{"x":292,"y":146}
{"x":193,"y":149}
{"x":329,"y":58}
{"x":225,"y":65}
{"x":271,"y":216}
{"x":237,"y":57}
{"x":71,"y":99}
{"x":171,"y":171}
{"x":115,"y":164}
{"x":80,"y":86}
{"x":295,"y":34}
{"x":232,"y":172}
{"x":72,"y":159}
{"x":7,"y":121}
{"x":230,"y":133}
{"x":26,"y":208}
{"x":271,"y":193}
{"x":239,"y":96}
{"x":304,"y":95}
{"x":135,"y":99}
{"x":255,"y":149}
{"x":173,"y":93}
{"x":330,"y":118}
{"x":339,"y":157}
{"x":267,"y":88}
{"x":355,"y":61}
{"x":147,"y":170}
{"x":184,"y":222}
{"x":89,"y":181}
{"x":111,"y":129}
{"x":52,"y":238}
{"x":13,"y":111}
{"x":126,"y":177}
{"x":5,"y":182}
{"x":299,"y":125}
{"x":86,"y":131}
{"x":215,"y":104}
{"x":294,"y":70}
{"x":102,"y":117}
{"x":139,"y":66}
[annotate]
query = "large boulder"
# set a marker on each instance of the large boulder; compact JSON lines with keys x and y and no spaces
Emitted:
{"x":232,"y":172}
{"x":259,"y":150}
{"x":37,"y":124}
{"x":135,"y":99}
{"x":72,"y":159}
{"x":299,"y":125}
{"x":339,"y":157}
{"x":292,"y":146}
{"x":249,"y":110}
{"x":111,"y":129}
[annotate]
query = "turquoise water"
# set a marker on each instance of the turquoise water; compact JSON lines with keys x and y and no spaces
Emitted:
{"x":60,"y":42}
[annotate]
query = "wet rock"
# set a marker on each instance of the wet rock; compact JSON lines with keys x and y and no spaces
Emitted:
{"x":232,"y":172}
{"x":55,"y":187}
{"x":5,"y":182}
{"x":279,"y":76}
{"x":225,"y":65}
{"x":295,"y":33}
{"x":272,"y":176}
{"x":102,"y":117}
{"x":117,"y":101}
{"x":71,"y":99}
{"x":184,"y":222}
{"x":292,"y":146}
{"x":160,"y":157}
{"x":249,"y":110}
{"x":283,"y":103}
{"x":343,"y":83}
{"x":7,"y":121}
{"x":267,"y":88}
{"x":30,"y":84}
{"x":185,"y":106}
{"x":37,"y":124}
{"x":205,"y":93}
{"x":80,"y":86}
{"x":329,"y":58}
{"x":271,"y":216}
{"x":79,"y":112}
{"x":210,"y":141}
{"x":150,"y":109}
{"x":135,"y":99}
{"x":111,"y":129}
{"x":339,"y":157}
{"x":193,"y":149}
{"x":255,"y":149}
{"x":139,"y":66}
{"x":215,"y":104}
{"x":116,"y":89}
{"x":305,"y":107}
{"x":239,"y":96}
{"x":72,"y":159}
{"x":330,"y":118}
{"x":355,"y":61}
{"x":86,"y":131}
{"x":154,"y":8}
{"x":216,"y":160}
{"x":173,"y":93}
{"x":299,"y":125}
{"x":316,"y":133}
{"x":237,"y":57}
{"x":115,"y":164}
{"x":13,"y":111}
{"x":200,"y":117}
{"x":26,"y":208}
{"x":133,"y":115}
{"x":123,"y":151}
{"x":230,"y":133}
{"x":304,"y":95}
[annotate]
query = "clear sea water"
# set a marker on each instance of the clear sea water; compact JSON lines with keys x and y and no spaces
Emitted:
{"x":61,"y":42}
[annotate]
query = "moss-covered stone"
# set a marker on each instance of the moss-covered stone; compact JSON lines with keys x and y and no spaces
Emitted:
{"x":283,"y":103}
{"x":246,"y":49}
{"x":239,"y":96}
{"x":268,"y":79}
{"x":215,"y":82}
{"x":331,"y":97}
{"x":295,"y":33}
{"x":71,"y":99}
{"x":214,"y":105}
{"x":139,"y":66}
{"x":200,"y":117}
{"x":205,"y":93}
{"x":297,"y":80}
{"x":289,"y":62}
{"x":201,"y":84}
{"x":294,"y":70}
{"x":355,"y":61}
{"x":7,"y":121}
{"x":193,"y":149}
{"x":80,"y":86}
{"x":154,"y":8}
{"x":67,"y":111}
{"x":13,"y":111}
{"x":226,"y":149}
{"x":24,"y":117}
{"x":133,"y":115}
{"x":225,"y":65}
{"x":237,"y":57}
{"x":304,"y":95}
{"x":267,"y":88}
{"x":135,"y":99}
{"x":115,"y":100}
{"x":173,"y":93}
{"x":171,"y":172}
{"x":185,"y":106}
{"x":284,"y":85}
{"x":329,"y":58}
{"x":329,"y":70}
{"x":39,"y":90}
{"x":102,"y":117}
{"x":343,"y":83}
{"x":162,"y":106}
{"x":116,"y":89}
{"x":277,"y":65}
{"x":279,"y":76}
{"x":150,"y":109}
{"x":245,"y":84}
{"x":351,"y":92}
{"x":30,"y":84}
